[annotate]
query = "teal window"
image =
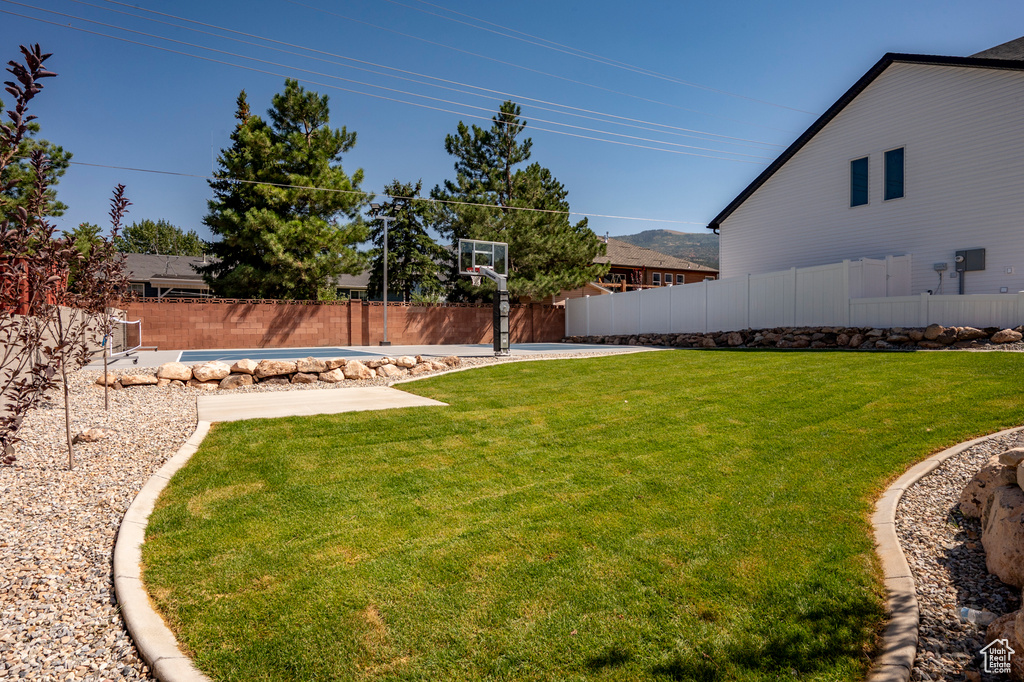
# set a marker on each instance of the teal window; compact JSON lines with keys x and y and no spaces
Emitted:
{"x":894,"y":174}
{"x":859,"y":182}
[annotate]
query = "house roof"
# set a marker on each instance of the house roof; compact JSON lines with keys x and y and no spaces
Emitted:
{"x":624,"y":254}
{"x":146,"y":266}
{"x":1006,"y":56}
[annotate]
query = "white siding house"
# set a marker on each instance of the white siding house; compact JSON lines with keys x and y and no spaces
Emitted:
{"x":960,"y":125}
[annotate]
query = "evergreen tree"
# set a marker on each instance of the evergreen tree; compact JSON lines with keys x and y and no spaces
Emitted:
{"x":18,"y":178}
{"x":547,"y":253}
{"x":160,"y":237}
{"x":284,"y":239}
{"x":414,"y":258}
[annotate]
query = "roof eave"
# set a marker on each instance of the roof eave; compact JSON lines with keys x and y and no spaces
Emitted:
{"x":840,"y":104}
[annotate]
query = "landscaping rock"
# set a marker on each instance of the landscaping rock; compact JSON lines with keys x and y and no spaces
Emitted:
{"x":933,"y":331}
{"x":437,"y":366}
{"x":389,"y":371}
{"x":334,"y":376}
{"x":1003,"y":535}
{"x":245,"y":366}
{"x":310,"y":366}
{"x":92,"y":435}
{"x":978,"y":492}
{"x":451,"y":361}
{"x":969,"y":334}
{"x":160,"y":383}
{"x":274,"y":368}
{"x":276,"y":381}
{"x":706,"y":342}
{"x":204,"y":385}
{"x":335,"y":363}
{"x":421,"y":368}
{"x":357,"y":370}
{"x":1006,"y":336}
{"x":1008,"y":627}
{"x":304,"y":378}
{"x":137,"y":380}
{"x":107,"y":380}
{"x":174,"y":370}
{"x":211,"y":371}
{"x":236,"y":381}
{"x":734,"y":339}
{"x":1012,"y":458}
{"x":406,"y":361}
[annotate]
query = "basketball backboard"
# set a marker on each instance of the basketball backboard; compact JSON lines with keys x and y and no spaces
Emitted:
{"x":475,"y":254}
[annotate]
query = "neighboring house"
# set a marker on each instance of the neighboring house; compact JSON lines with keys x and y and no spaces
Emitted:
{"x":176,"y":277}
{"x":157,"y":276}
{"x":923,"y":156}
{"x":635,"y":267}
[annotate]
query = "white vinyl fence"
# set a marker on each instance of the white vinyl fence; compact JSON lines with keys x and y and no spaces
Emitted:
{"x":864,"y":293}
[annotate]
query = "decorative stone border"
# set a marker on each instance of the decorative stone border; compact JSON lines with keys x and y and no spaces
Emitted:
{"x":899,"y":641}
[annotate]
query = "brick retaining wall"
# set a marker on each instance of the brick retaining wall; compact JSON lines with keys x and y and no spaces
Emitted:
{"x":189,"y":324}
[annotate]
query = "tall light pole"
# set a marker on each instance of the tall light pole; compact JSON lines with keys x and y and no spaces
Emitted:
{"x":376,"y":210}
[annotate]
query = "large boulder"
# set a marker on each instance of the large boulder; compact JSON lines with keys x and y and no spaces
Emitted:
{"x":1008,"y":627}
{"x":236,"y":381}
{"x":174,"y":371}
{"x":304,"y":378}
{"x":204,"y":385}
{"x":978,"y":491}
{"x":274,"y":368}
{"x":357,"y":370}
{"x":1002,"y":535}
{"x":334,"y":376}
{"x":933,"y":331}
{"x":1007,"y":336}
{"x":244,"y":366}
{"x":969,"y":334}
{"x":335,"y":363}
{"x":421,"y":368}
{"x":389,"y":371}
{"x":311,"y":366}
{"x":406,"y":361}
{"x":452,"y":361}
{"x":211,"y":371}
{"x":137,"y":380}
{"x":108,"y":379}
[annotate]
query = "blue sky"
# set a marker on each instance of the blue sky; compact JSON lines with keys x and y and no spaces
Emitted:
{"x":764,"y":71}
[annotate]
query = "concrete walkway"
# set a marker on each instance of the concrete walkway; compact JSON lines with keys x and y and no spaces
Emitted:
{"x":156,"y":643}
{"x":230,"y":408}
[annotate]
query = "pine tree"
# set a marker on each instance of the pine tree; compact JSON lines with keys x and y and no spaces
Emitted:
{"x":17,"y":179}
{"x":284,"y":239}
{"x":547,"y":253}
{"x":414,"y":258}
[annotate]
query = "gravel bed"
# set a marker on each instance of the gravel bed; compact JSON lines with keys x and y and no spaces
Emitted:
{"x":59,"y":619}
{"x":945,"y":555}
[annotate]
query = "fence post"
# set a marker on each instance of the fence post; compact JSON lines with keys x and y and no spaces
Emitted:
{"x":586,"y":313}
{"x":846,"y":292}
{"x":923,"y":310}
{"x":746,"y":321}
{"x":792,"y":278}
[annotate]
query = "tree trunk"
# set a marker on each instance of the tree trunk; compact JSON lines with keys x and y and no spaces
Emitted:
{"x":67,"y":416}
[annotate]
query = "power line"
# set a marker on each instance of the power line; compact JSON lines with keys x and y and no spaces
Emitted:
{"x":581,"y":54}
{"x":370,"y":195}
{"x":359,"y":92}
{"x":685,"y":132}
{"x":526,"y":68}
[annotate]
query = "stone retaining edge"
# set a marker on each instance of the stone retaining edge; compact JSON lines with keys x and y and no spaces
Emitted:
{"x":899,"y":641}
{"x":154,"y":640}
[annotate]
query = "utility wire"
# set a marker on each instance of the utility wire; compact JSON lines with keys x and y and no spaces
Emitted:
{"x":621,"y":120}
{"x":526,"y":68}
{"x":359,"y":92}
{"x":370,"y":195}
{"x":580,"y":54}
{"x":382,"y":87}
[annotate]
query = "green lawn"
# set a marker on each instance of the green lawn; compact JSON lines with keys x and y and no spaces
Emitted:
{"x":675,"y":515}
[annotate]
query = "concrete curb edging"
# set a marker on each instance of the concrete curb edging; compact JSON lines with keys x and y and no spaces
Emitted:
{"x":899,"y":641}
{"x":154,"y":640}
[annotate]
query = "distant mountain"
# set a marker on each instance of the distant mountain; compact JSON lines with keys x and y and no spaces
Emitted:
{"x":701,"y":248}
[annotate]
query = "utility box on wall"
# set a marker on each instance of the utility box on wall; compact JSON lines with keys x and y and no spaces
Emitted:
{"x":970,"y":260}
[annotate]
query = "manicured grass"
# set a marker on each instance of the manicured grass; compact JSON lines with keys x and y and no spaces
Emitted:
{"x":675,"y":515}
